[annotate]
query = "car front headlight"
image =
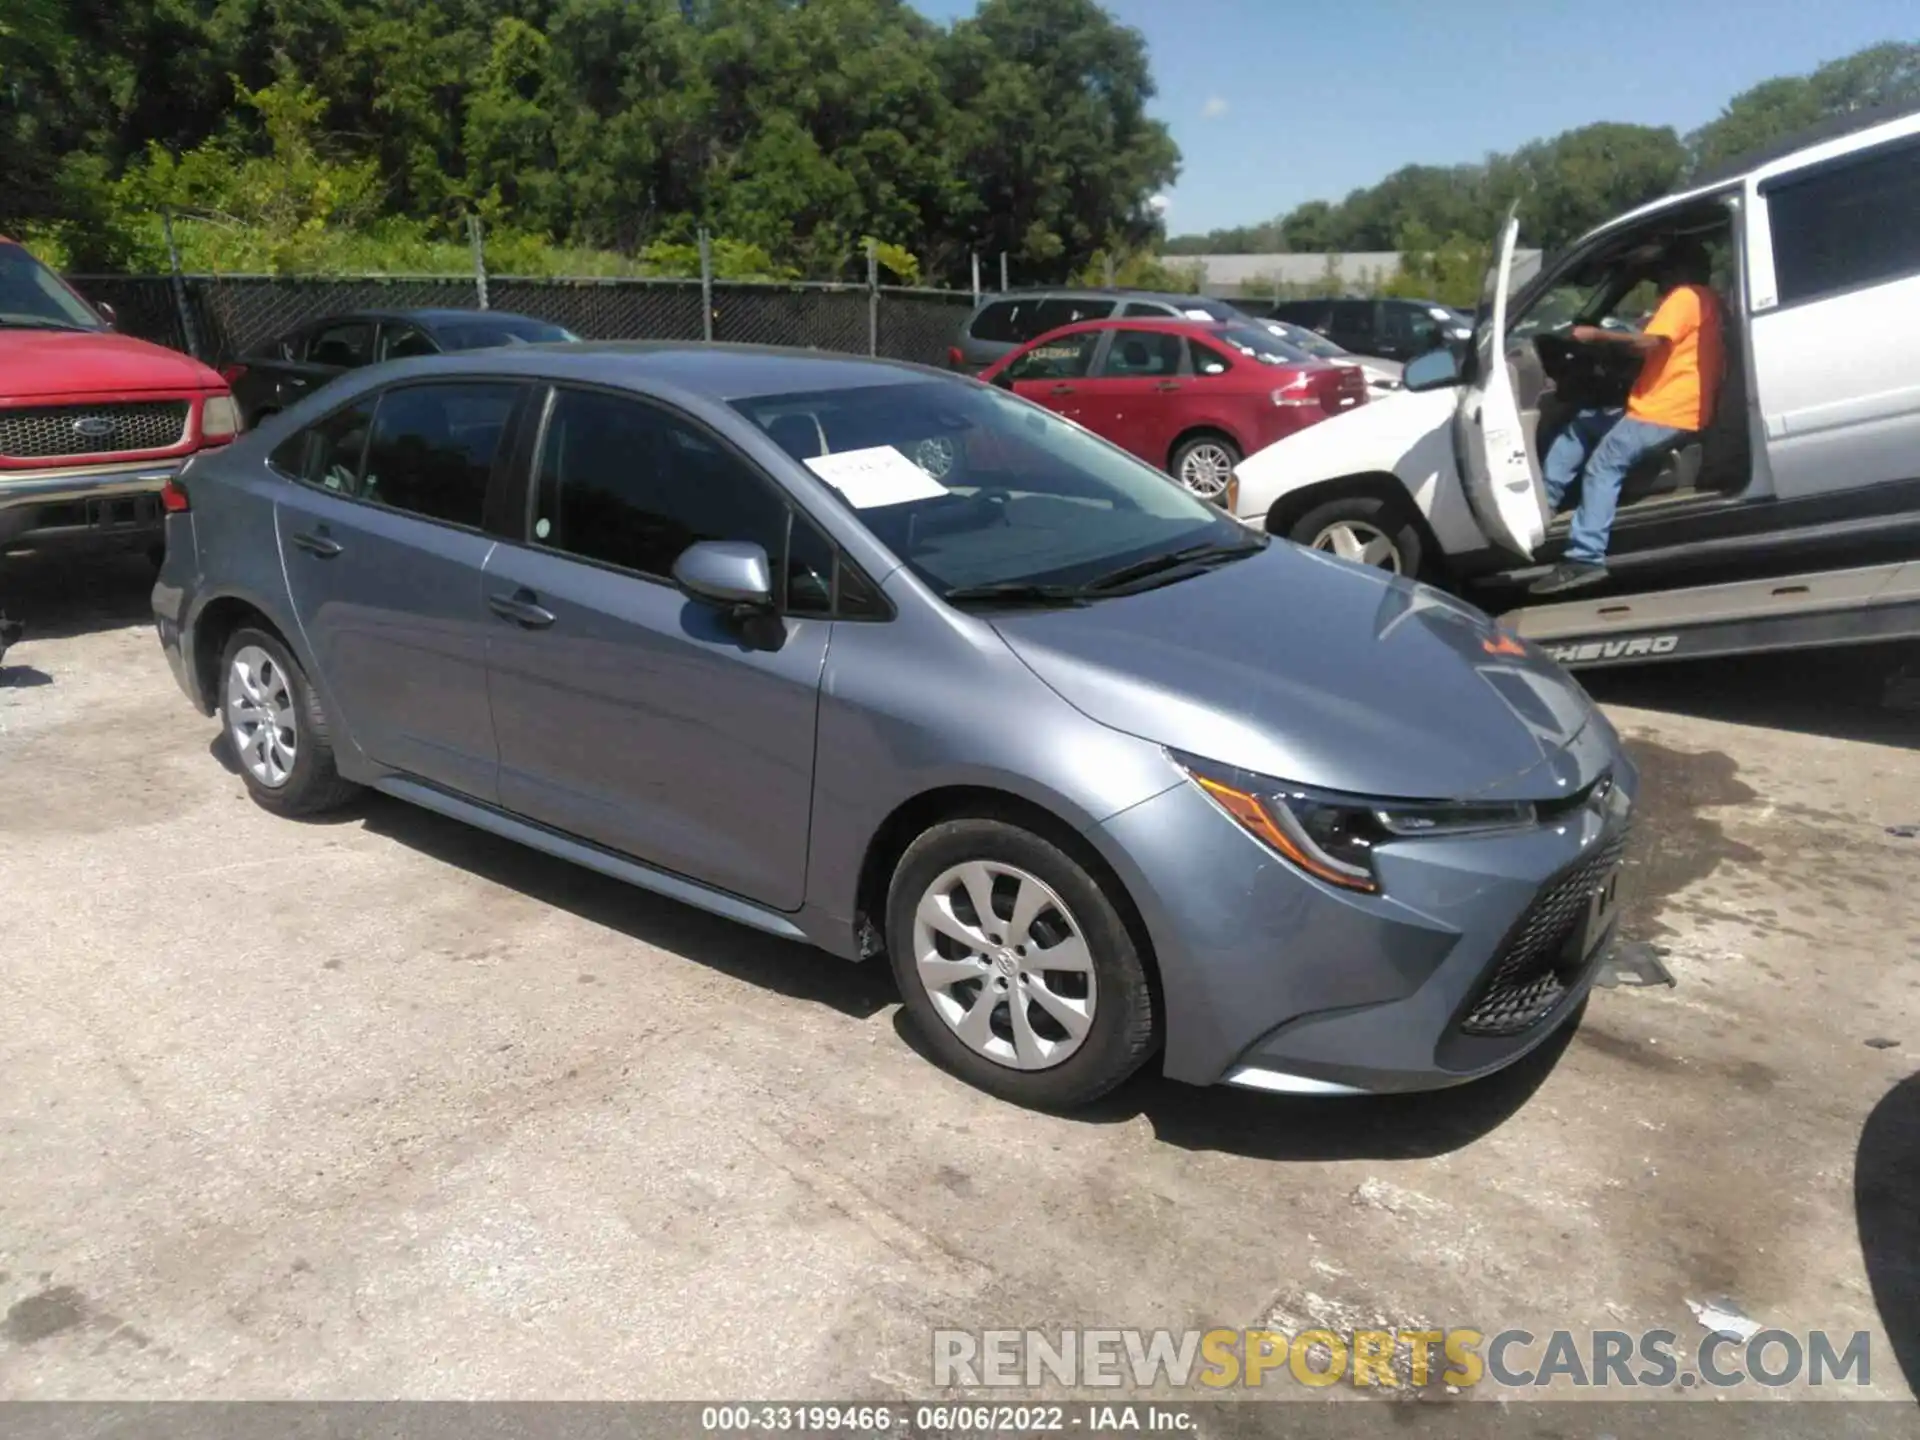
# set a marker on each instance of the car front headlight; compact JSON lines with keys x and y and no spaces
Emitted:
{"x":219,"y":418}
{"x":1332,"y":836}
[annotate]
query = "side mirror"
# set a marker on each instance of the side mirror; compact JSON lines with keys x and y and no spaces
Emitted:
{"x":1004,"y":380}
{"x":1434,"y":370}
{"x":732,"y":574}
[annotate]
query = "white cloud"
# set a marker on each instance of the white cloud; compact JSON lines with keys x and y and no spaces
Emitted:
{"x":1215,"y":107}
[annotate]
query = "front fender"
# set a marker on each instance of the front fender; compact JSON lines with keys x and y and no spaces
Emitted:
{"x":1408,"y":435}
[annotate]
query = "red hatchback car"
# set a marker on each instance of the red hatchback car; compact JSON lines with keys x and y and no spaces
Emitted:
{"x":1192,"y":397}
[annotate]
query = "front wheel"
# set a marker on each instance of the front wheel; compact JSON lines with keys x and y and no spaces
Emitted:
{"x":1367,"y":529}
{"x":1015,"y":965}
{"x":1205,"y":464}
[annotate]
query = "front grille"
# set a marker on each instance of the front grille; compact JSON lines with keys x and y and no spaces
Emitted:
{"x":51,"y":431}
{"x":1535,"y":969}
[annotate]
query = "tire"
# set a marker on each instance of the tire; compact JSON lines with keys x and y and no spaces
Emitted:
{"x":1023,"y":1050}
{"x":1370,"y":521}
{"x":1203,"y":455}
{"x":276,"y":728}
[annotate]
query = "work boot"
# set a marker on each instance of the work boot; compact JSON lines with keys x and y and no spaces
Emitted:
{"x":1568,"y":575}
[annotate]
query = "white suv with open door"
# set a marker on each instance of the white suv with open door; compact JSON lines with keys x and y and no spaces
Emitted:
{"x":1811,"y":459}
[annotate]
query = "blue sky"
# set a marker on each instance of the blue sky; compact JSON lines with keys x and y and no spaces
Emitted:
{"x":1278,"y":101}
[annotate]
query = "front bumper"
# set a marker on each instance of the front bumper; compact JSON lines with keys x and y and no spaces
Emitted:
{"x":58,"y":502}
{"x":1465,"y":962}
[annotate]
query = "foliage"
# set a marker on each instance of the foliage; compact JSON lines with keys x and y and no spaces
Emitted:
{"x":607,"y":128}
{"x":1139,"y":270}
{"x":1568,"y":184}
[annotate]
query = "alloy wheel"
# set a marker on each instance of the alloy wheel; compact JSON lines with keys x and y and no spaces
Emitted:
{"x":1005,"y":964}
{"x":1357,"y":540}
{"x":1206,"y":470}
{"x":260,"y":716}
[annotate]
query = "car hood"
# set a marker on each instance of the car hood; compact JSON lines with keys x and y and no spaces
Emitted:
{"x":80,"y":363}
{"x":1301,"y":666}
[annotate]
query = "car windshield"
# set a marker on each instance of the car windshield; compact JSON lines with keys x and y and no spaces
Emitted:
{"x":484,"y":335}
{"x":1306,"y":341}
{"x":970,"y":486}
{"x":32,"y":296}
{"x":1261,"y":344}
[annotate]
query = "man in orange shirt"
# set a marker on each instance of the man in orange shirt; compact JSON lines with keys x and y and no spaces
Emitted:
{"x":1679,"y":375}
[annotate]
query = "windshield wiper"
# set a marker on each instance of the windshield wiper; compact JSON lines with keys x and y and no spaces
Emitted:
{"x":1191,"y":555}
{"x":33,"y":324}
{"x":1019,"y":592}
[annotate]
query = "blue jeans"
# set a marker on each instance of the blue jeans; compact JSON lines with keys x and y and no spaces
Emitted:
{"x":1608,"y":444}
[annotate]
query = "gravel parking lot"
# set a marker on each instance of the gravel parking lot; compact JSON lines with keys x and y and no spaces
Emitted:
{"x":388,"y":1107}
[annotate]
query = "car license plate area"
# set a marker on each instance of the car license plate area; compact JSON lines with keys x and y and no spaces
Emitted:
{"x":1602,"y":909}
{"x":122,"y":512}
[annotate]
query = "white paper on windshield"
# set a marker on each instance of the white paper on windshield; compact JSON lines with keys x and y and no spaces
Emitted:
{"x":1196,"y":314}
{"x":875,"y":477}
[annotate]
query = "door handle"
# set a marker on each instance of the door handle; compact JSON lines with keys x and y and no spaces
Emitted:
{"x":1061,"y":390}
{"x":296,"y":381}
{"x":1168,"y":385}
{"x":321,"y":544}
{"x":520,"y":608}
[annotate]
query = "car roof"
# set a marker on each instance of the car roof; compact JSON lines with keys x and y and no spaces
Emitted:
{"x":719,"y":372}
{"x":428,"y":315}
{"x":1177,"y":324}
{"x":1099,"y":292}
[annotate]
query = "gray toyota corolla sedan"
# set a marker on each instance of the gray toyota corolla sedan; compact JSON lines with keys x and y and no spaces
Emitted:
{"x":896,"y":663}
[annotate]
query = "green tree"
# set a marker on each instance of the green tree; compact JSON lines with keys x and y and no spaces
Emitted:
{"x":1882,"y":75}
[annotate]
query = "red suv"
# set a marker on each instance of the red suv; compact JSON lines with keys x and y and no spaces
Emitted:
{"x":92,"y":424}
{"x":1192,"y":397}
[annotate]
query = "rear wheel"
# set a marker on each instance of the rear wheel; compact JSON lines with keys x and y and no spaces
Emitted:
{"x":1204,"y":464}
{"x":276,"y":728}
{"x":1368,"y":529}
{"x":1015,"y":965}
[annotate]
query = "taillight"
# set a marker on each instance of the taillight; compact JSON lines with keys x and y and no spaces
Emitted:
{"x":173,"y":497}
{"x":954,"y":358}
{"x":232,"y":374}
{"x":1300,"y":390}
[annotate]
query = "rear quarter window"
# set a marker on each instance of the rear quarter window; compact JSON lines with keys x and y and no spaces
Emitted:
{"x":1846,"y":225}
{"x":1000,"y":321}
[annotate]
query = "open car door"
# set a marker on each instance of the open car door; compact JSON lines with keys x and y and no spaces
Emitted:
{"x":1496,"y":468}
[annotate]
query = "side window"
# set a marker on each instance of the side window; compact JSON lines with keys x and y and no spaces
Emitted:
{"x":628,"y":484}
{"x":1854,"y":223}
{"x":1000,"y":321}
{"x":433,"y":447}
{"x":346,"y":345}
{"x":1206,"y":359}
{"x":329,"y":452}
{"x":1147,"y":307}
{"x":1142,"y":352}
{"x":1052,"y":314}
{"x":1351,"y":323}
{"x":397,"y":342}
{"x":1066,"y":358}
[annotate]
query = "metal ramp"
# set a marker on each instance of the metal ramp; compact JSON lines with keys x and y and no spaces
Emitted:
{"x":1821,"y":608}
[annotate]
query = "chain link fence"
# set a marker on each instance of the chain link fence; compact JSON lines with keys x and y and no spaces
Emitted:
{"x":222,"y":317}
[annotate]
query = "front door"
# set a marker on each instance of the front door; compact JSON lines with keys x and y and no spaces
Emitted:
{"x":1496,"y":470}
{"x":383,"y":551}
{"x":1053,"y":372}
{"x":629,"y":714}
{"x":1132,"y":397}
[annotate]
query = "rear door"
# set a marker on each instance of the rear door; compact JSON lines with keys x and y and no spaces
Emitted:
{"x":1497,"y":471}
{"x":1054,"y":372}
{"x":1132,"y":397}
{"x":1354,"y":325}
{"x":382,"y":542}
